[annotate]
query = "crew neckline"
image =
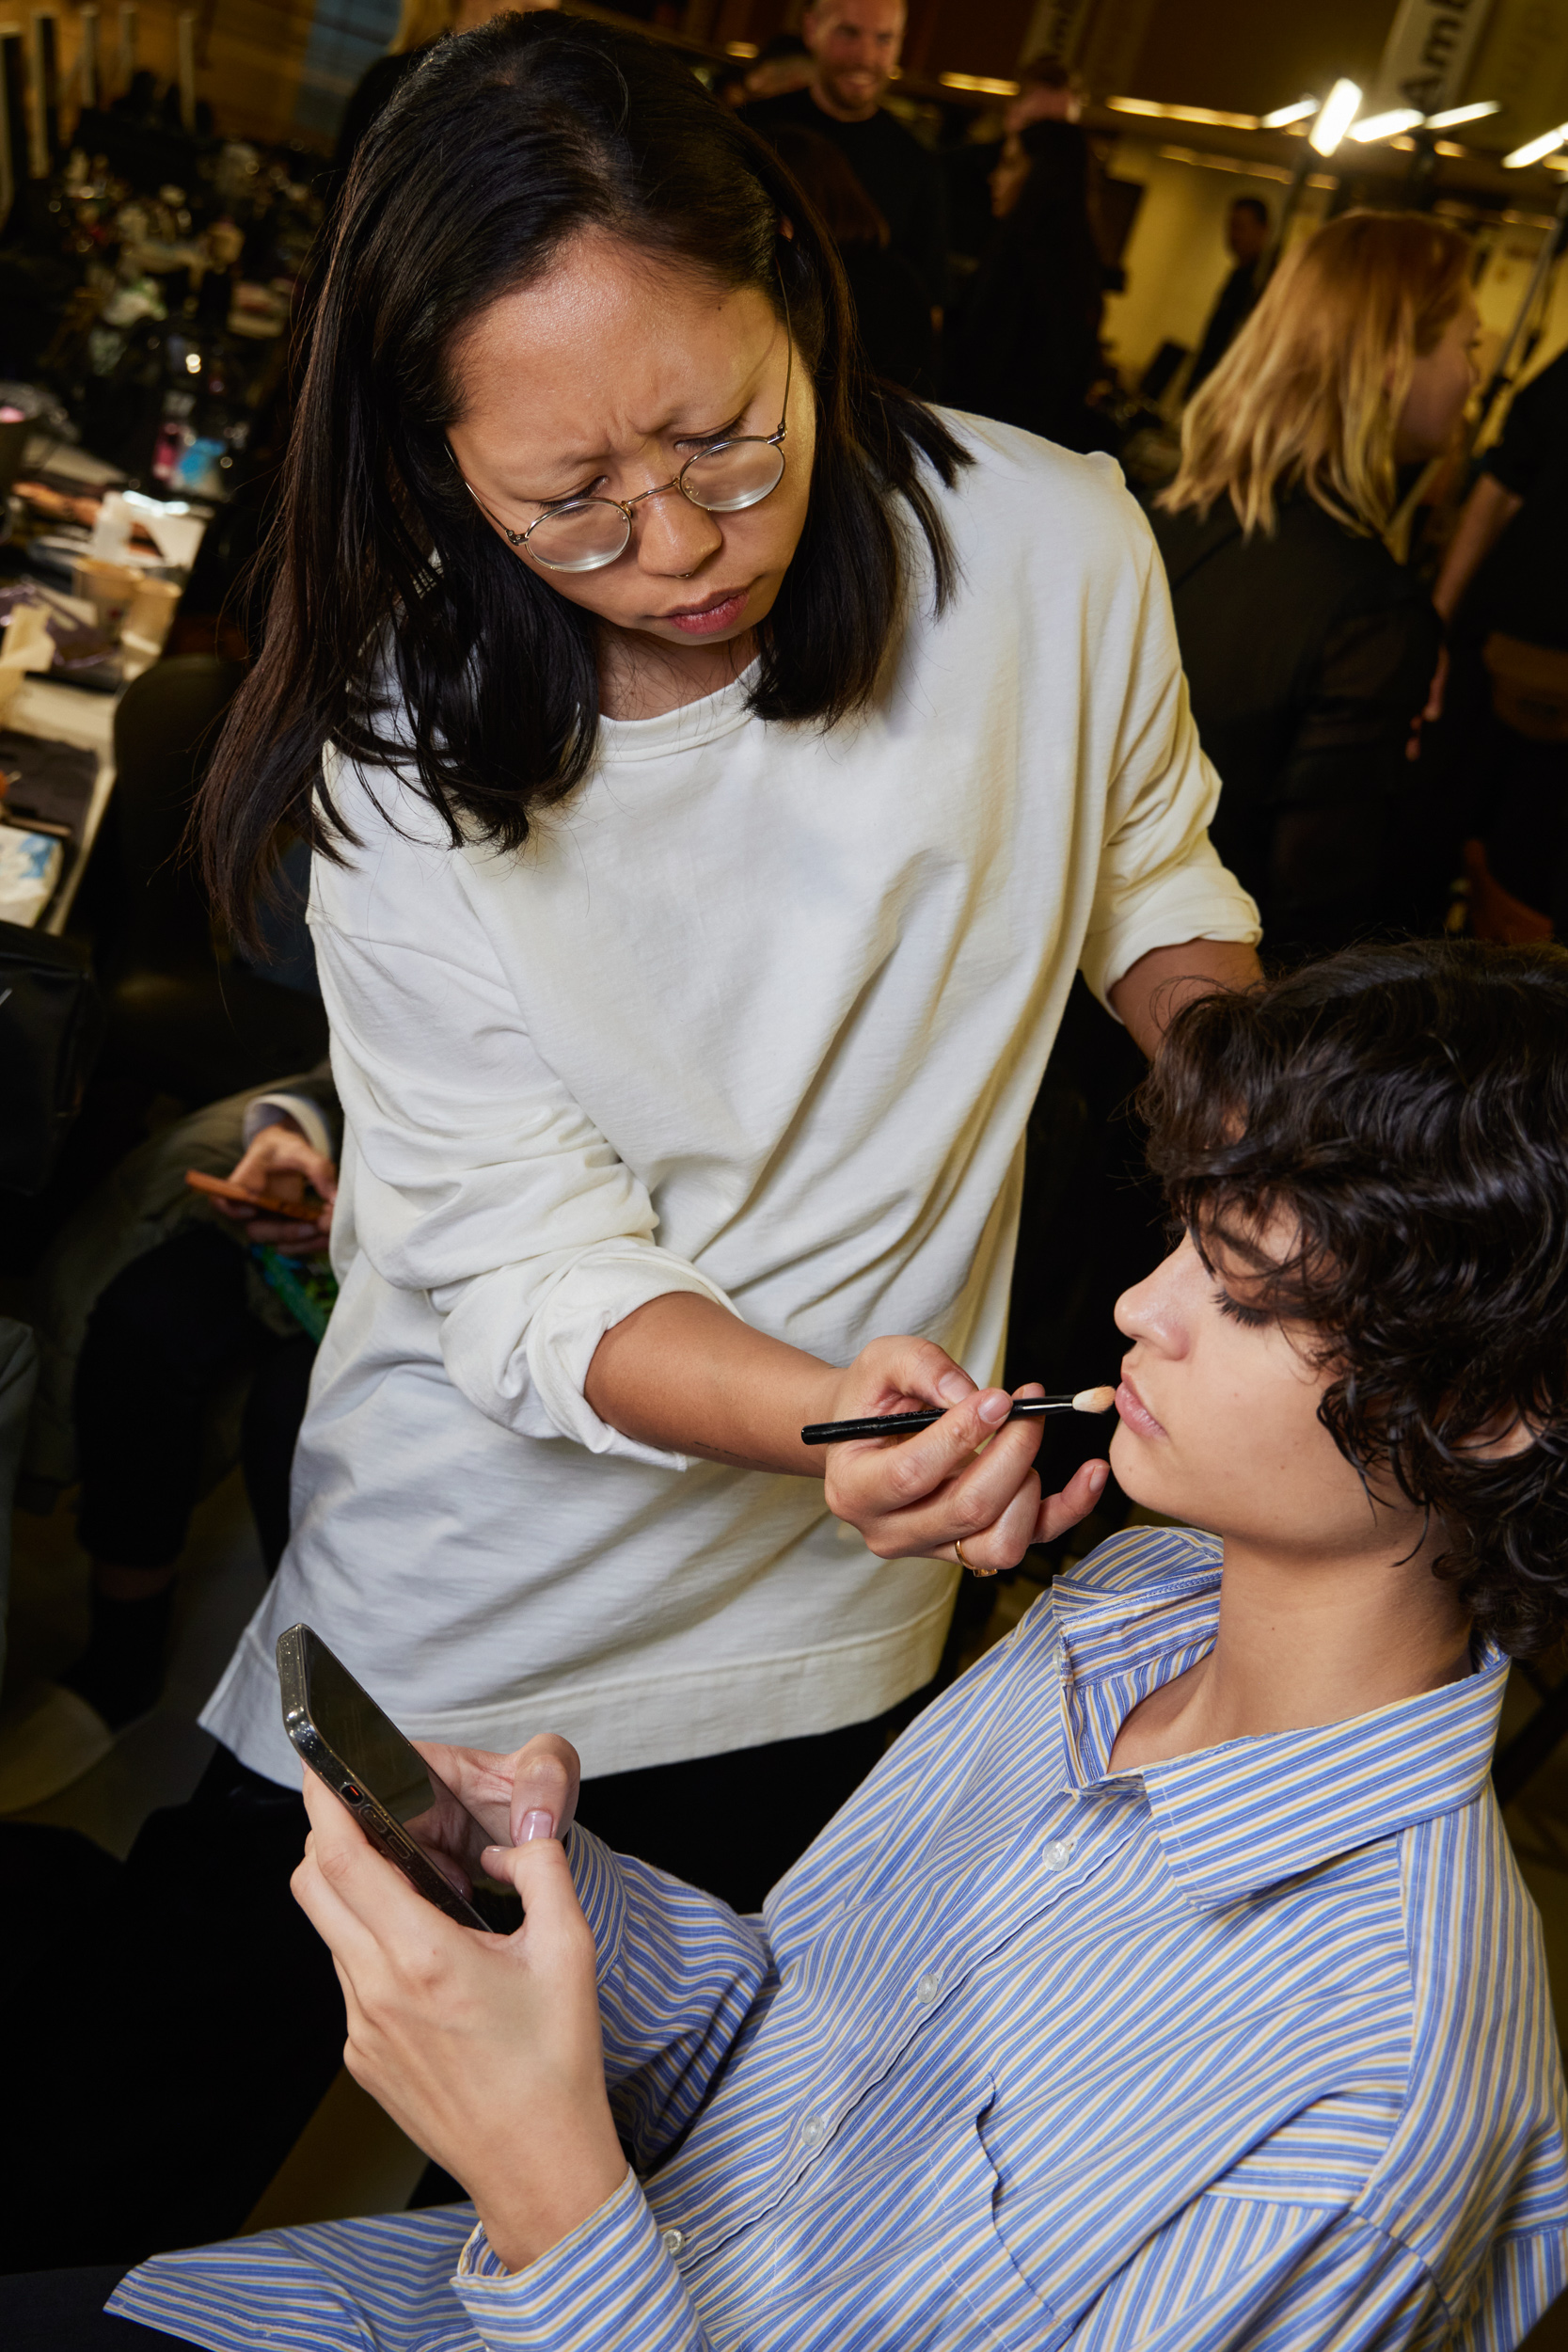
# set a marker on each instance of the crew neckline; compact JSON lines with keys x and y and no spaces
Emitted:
{"x":683,"y":729}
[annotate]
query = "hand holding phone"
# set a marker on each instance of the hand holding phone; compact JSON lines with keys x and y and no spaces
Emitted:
{"x":400,"y":1800}
{"x":306,"y":1212}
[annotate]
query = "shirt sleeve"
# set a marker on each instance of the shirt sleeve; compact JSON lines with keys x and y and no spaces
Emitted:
{"x":680,"y":1976}
{"x":612,"y":2286}
{"x":1160,"y":881}
{"x":1233,"y":2273}
{"x":476,"y":1178}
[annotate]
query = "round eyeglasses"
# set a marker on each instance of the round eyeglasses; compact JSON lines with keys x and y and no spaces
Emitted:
{"x":582,"y":534}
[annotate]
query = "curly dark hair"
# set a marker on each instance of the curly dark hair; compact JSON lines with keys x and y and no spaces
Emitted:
{"x":1407,"y":1107}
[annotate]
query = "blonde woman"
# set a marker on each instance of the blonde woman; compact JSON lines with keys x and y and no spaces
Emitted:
{"x":1309,"y":651}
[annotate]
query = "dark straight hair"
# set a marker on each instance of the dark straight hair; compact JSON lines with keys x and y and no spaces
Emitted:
{"x":400,"y":627}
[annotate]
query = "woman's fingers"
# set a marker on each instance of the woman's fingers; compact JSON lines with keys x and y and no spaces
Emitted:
{"x":969,"y":1473}
{"x":479,"y":1778}
{"x":358,"y":1903}
{"x":1057,"y":1513}
{"x":279,"y":1153}
{"x":545,"y":1778}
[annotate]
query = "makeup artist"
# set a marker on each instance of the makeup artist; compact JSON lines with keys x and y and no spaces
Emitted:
{"x":717,"y":767}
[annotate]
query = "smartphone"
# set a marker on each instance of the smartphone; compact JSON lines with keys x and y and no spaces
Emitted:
{"x":306,"y":1212}
{"x":405,"y":1810}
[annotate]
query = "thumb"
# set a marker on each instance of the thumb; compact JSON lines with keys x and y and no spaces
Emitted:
{"x":541,"y":1875}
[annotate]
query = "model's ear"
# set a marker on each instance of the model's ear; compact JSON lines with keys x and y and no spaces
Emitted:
{"x":1501,"y":1437}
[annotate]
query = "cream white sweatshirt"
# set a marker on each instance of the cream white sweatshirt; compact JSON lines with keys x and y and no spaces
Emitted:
{"x":760,"y":1013}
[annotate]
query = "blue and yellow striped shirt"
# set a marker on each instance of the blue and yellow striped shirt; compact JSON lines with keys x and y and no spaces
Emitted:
{"x":1252,"y":2048}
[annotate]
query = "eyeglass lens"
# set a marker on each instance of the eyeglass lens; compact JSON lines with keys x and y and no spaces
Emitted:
{"x":722,"y":481}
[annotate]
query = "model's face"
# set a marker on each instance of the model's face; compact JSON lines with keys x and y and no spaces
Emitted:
{"x":856,"y":45}
{"x":1442,"y":382}
{"x":1218,"y":1411}
{"x":604,"y":378}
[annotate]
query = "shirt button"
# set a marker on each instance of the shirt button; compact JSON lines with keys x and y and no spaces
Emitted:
{"x":672,"y":2241}
{"x":811,"y":2130}
{"x":928,"y":1987}
{"x":1056,"y":1853}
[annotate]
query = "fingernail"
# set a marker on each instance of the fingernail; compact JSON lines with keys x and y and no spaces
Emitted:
{"x":537,"y":1825}
{"x":996,"y":1407}
{"x":1098,"y":1476}
{"x":954,"y":1386}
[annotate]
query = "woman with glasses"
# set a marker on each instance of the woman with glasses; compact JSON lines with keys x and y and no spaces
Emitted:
{"x":716,"y":769}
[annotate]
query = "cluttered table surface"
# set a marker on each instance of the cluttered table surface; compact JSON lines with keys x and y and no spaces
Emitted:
{"x":66,"y":657}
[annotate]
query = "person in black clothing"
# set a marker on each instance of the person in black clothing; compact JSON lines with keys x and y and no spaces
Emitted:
{"x":1026,"y":349}
{"x":1502,"y":592}
{"x":1309,"y":652}
{"x":891,"y":309}
{"x":1048,"y":92}
{"x":855,"y":46}
{"x":1246,"y":234}
{"x":420,"y":24}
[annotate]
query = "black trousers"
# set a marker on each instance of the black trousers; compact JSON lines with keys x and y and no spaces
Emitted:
{"x":173,"y":2032}
{"x":167,"y":1329}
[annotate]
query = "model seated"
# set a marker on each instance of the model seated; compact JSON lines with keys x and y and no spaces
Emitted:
{"x":1170,"y":1983}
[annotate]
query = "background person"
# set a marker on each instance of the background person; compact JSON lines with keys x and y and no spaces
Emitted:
{"x":893,"y":318}
{"x":1048,"y":92}
{"x":1026,"y":349}
{"x":1223,"y":1796}
{"x":854,"y":46}
{"x":1247,"y":230}
{"x":1501,"y":589}
{"x":1309,"y":652}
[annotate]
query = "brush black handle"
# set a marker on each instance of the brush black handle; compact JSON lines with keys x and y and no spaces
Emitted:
{"x":903,"y":1424}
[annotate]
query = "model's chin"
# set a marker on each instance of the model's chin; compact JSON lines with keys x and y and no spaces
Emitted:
{"x":1136,"y":1464}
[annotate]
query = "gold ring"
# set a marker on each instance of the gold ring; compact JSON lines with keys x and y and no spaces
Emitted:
{"x":959,"y":1554}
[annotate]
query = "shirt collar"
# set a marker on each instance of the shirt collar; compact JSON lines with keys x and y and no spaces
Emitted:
{"x":1237,"y":1818}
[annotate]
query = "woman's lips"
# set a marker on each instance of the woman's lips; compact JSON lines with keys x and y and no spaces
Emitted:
{"x":705,"y":620}
{"x":1135,"y":1413}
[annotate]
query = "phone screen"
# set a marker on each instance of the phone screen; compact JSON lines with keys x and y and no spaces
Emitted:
{"x":389,"y":1769}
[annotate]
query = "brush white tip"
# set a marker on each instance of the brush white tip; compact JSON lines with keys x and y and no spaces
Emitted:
{"x":1094,"y":1400}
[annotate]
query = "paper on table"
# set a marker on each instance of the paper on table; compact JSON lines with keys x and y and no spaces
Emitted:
{"x":29,"y":868}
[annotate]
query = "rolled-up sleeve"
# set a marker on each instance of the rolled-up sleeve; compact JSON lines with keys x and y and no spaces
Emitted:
{"x":476,"y":1179}
{"x":1160,"y":882}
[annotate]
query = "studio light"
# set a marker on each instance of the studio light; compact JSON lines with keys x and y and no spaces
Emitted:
{"x":1536,"y":149}
{"x":1453,"y":114}
{"x":1386,"y":126}
{"x":1334,"y":116}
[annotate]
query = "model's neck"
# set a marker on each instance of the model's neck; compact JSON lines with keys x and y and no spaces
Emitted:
{"x":841,"y":113}
{"x":643,"y":677}
{"x":1303,"y":1642}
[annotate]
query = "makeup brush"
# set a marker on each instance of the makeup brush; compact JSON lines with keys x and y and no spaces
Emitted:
{"x":902,"y":1424}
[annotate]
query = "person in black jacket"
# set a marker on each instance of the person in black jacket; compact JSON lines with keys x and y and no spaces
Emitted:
{"x":1309,"y":652}
{"x":854,"y":46}
{"x":1026,"y":347}
{"x":1247,"y":235}
{"x":891,"y":310}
